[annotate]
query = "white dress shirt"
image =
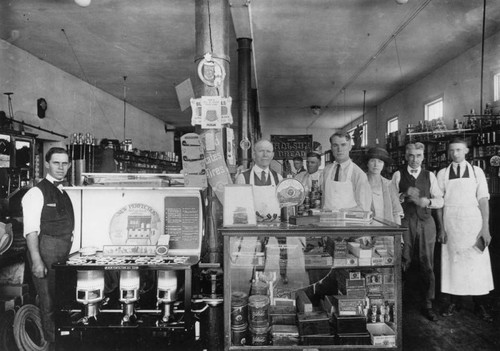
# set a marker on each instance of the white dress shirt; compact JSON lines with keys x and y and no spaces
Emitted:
{"x":32,"y":203}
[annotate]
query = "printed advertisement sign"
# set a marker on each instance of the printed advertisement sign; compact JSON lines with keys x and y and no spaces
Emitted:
{"x":287,"y":147}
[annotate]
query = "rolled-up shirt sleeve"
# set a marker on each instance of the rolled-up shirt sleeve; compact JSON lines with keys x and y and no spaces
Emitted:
{"x":32,"y":203}
{"x":437,"y":200}
{"x":482,"y":184}
{"x":362,"y":190}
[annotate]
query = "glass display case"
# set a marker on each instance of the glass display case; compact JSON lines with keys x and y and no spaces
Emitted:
{"x":323,"y":286}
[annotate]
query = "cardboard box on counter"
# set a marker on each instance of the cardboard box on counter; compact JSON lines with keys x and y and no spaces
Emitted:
{"x":318,"y":260}
{"x":348,"y":324}
{"x":285,"y":335}
{"x":313,"y":323}
{"x":358,"y":251}
{"x":303,"y":220}
{"x":312,"y":340}
{"x":346,"y":305}
{"x":353,"y":339}
{"x":283,"y":315}
{"x":381,"y":334}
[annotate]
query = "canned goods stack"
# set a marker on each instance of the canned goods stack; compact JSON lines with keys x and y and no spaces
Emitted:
{"x":239,"y":313}
{"x":258,"y":318}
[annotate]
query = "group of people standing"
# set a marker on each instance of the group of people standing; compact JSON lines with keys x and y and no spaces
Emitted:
{"x":450,"y":208}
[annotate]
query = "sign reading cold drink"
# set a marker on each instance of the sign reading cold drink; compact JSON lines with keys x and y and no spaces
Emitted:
{"x":289,"y":146}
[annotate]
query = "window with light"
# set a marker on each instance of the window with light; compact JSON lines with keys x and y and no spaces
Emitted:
{"x":392,"y":125}
{"x":434,"y":109}
{"x":496,"y":87}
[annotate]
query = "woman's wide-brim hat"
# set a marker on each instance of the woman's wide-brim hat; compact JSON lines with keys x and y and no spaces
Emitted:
{"x":379,"y":153}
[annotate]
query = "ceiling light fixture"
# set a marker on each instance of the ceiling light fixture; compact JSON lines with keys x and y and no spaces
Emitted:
{"x":316,"y":110}
{"x":401,"y":2}
{"x":83,"y":3}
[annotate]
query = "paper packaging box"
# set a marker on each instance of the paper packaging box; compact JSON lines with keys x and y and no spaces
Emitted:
{"x":351,"y":261}
{"x":348,"y":324}
{"x":311,"y":340}
{"x":355,"y":275}
{"x":366,"y":261}
{"x":381,"y":334}
{"x":318,"y":260}
{"x":313,"y":323}
{"x":346,"y":305}
{"x":353,"y":339}
{"x":339,"y":262}
{"x":387,"y":260}
{"x":283,"y":315}
{"x":303,"y":302}
{"x":359,"y":293}
{"x":303,"y":220}
{"x":377,"y":260}
{"x":285,"y":335}
{"x":356,"y":250}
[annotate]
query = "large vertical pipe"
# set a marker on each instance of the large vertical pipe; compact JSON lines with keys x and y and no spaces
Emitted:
{"x":212,"y":18}
{"x":244,"y":96}
{"x":212,"y":36}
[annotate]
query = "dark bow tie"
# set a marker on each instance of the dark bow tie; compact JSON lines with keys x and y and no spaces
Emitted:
{"x":60,"y":182}
{"x":413,"y":170}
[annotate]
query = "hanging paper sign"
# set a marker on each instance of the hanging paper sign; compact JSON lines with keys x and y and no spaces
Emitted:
{"x":210,"y":71}
{"x":225,"y":110}
{"x":195,"y":111}
{"x":211,"y":111}
{"x":217,"y":172}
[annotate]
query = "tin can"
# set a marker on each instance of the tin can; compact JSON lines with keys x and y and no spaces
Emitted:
{"x":239,"y":308}
{"x":259,"y":336}
{"x":258,"y":311}
{"x":239,"y":334}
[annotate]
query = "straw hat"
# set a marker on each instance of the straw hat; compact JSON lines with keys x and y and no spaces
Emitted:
{"x":379,"y":153}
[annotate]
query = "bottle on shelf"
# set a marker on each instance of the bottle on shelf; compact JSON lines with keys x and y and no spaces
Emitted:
{"x":315,"y":195}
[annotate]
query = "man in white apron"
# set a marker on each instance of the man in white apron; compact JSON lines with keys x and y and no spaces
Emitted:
{"x":419,"y":194}
{"x":345,"y":185}
{"x":264,"y":181}
{"x":464,"y":271}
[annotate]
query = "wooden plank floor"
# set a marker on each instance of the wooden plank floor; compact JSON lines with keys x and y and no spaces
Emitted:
{"x":462,"y":332}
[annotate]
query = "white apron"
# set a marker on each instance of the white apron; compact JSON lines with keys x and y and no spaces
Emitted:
{"x":264,"y":197}
{"x":464,"y":271}
{"x":338,"y":194}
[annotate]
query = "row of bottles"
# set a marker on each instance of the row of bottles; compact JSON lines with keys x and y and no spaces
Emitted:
{"x":312,"y":199}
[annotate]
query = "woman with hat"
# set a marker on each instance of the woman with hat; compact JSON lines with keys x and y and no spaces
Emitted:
{"x":385,"y":203}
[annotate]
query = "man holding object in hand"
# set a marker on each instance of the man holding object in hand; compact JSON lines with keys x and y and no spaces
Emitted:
{"x":465,"y":270}
{"x":419,"y":194}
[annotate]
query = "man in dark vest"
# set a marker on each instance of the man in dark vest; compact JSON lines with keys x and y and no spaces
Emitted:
{"x":419,"y":193}
{"x":48,"y":228}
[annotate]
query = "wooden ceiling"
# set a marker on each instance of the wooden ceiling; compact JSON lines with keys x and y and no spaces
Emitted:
{"x":317,"y":52}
